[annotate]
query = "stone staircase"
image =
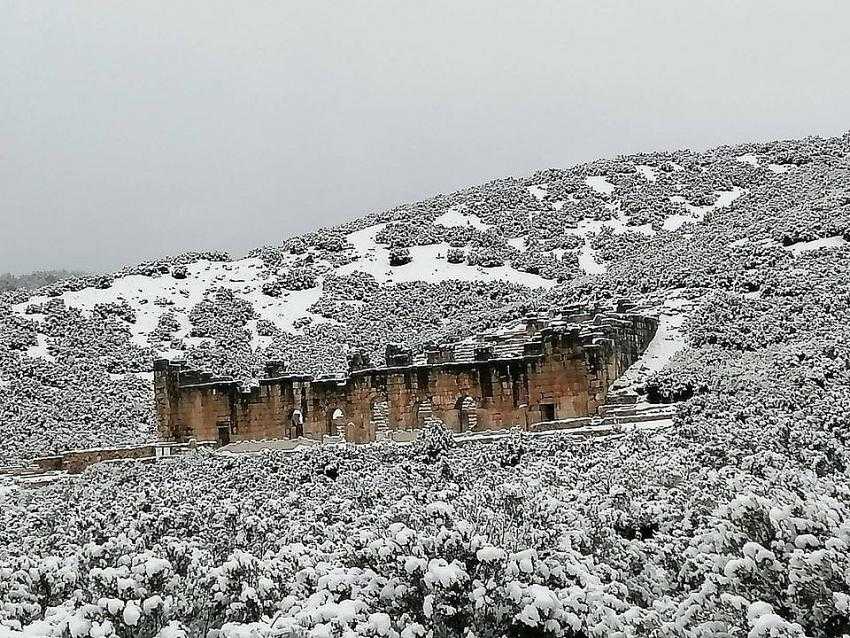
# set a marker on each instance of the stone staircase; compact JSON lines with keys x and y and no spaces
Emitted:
{"x":626,"y":406}
{"x":620,"y":408}
{"x":380,"y":416}
{"x":468,"y":406}
{"x":621,"y":398}
{"x":426,"y":414}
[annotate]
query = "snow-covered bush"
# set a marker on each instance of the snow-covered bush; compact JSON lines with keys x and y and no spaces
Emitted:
{"x":455,"y":256}
{"x":399,"y":256}
{"x":434,"y":441}
{"x":733,"y":522}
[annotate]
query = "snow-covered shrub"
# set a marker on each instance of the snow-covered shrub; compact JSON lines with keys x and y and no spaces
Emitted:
{"x":486,"y":257}
{"x":434,"y":441}
{"x":731,"y":522}
{"x":455,"y":256}
{"x":399,"y":256}
{"x":298,"y":279}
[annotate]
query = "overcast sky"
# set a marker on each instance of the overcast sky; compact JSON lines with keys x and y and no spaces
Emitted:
{"x":130,"y":130}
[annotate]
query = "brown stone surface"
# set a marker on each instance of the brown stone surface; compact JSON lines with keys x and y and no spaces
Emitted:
{"x":75,"y":461}
{"x":563,"y":370}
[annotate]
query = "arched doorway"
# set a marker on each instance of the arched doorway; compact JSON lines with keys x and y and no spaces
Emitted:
{"x":467,"y":413}
{"x":295,"y":424}
{"x":335,"y":421}
{"x":423,"y":414}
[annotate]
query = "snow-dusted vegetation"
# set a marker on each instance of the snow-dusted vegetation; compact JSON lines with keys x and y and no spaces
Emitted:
{"x":685,"y":533}
{"x":732,"y":522}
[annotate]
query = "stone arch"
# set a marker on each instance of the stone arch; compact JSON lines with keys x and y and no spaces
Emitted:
{"x":466,"y":408}
{"x":294,"y":425}
{"x":335,"y":420}
{"x":422,"y":414}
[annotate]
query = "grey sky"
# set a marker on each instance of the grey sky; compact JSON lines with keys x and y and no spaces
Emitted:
{"x":131,"y":130}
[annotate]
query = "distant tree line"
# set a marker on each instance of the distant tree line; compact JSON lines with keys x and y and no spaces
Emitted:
{"x":34,"y":280}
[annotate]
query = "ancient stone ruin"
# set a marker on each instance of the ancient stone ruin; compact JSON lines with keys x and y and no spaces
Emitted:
{"x":541,"y":370}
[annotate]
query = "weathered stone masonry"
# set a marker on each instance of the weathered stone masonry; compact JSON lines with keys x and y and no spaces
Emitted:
{"x":557,"y":369}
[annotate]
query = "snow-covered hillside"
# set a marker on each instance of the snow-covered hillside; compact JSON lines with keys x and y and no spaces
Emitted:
{"x":734,"y":521}
{"x":442,"y":269}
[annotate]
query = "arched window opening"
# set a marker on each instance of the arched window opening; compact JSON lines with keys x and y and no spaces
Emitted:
{"x":295,"y":427}
{"x":335,"y":422}
{"x":423,"y":414}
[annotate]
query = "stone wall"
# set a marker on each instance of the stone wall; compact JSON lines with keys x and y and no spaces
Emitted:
{"x":563,"y":370}
{"x":75,"y":461}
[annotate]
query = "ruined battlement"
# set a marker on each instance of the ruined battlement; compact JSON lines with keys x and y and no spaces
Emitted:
{"x":539,"y":369}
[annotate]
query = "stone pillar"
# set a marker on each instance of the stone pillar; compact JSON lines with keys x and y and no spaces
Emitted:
{"x":166,"y":385}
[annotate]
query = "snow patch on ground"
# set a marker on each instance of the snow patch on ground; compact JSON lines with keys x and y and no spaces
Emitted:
{"x":587,"y":261}
{"x":5,"y":632}
{"x":40,"y":351}
{"x":748,"y":158}
{"x":7,"y":486}
{"x":835,"y":241}
{"x":779,"y":168}
{"x":257,"y":341}
{"x":144,"y":376}
{"x":648,"y":172}
{"x":55,"y":617}
{"x":197,"y":342}
{"x":452,"y":218}
{"x":428,"y":264}
{"x":284,"y":310}
{"x":618,"y":223}
{"x":698,"y":213}
{"x":751,"y":159}
{"x":587,"y":227}
{"x":364,"y":240}
{"x":538,"y":191}
{"x":600,"y":184}
{"x":152,"y":297}
{"x":518,"y":243}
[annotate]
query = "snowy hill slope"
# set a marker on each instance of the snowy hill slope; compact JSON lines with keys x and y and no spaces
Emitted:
{"x":732,"y":521}
{"x":75,"y":357}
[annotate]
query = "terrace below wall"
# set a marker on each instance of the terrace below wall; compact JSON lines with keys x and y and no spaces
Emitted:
{"x":75,"y":461}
